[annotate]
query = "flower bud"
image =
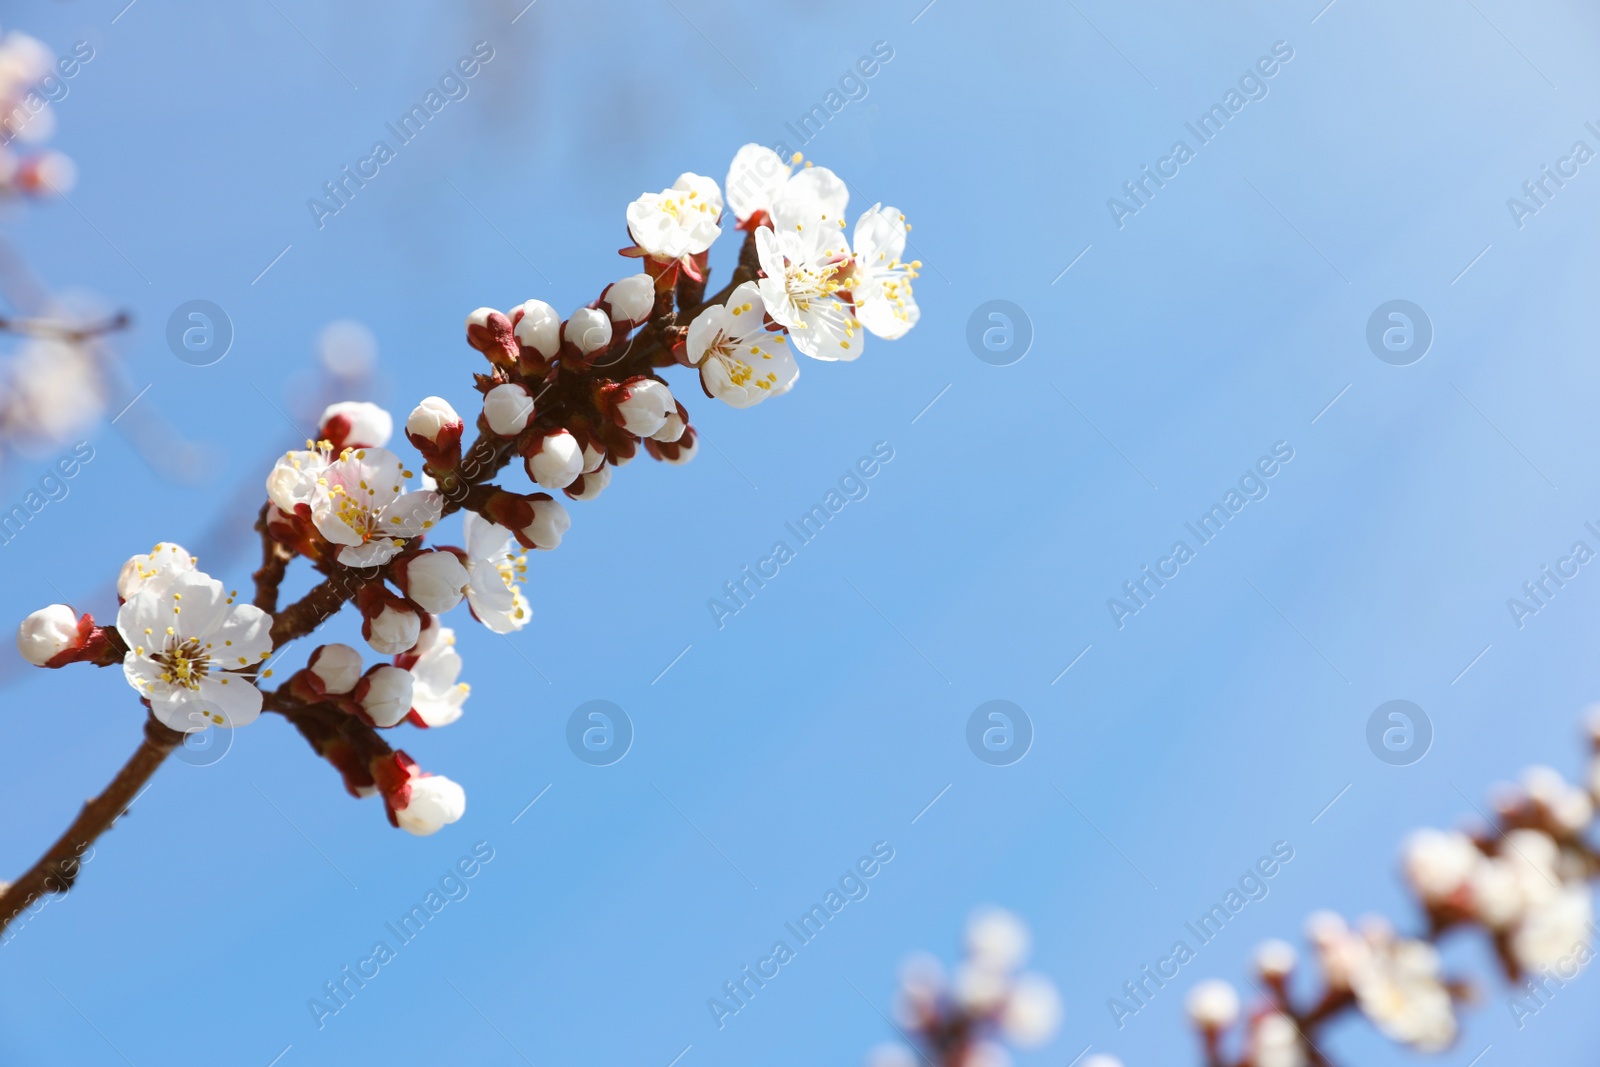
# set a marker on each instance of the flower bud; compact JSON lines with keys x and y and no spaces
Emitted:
{"x":677,"y":422}
{"x":535,"y":521}
{"x":641,"y":405}
{"x":154,"y":570}
{"x":589,"y":485}
{"x":337,"y":667}
{"x":433,"y":579}
{"x":1213,"y":1005}
{"x":51,"y":633}
{"x":538,"y":327}
{"x":435,"y":801}
{"x":676,"y":452}
{"x":46,"y":174}
{"x":631,"y":300}
{"x":507,"y":409}
{"x":490,"y":332}
{"x":1275,"y":958}
{"x":589,"y":330}
{"x":1032,"y":1011}
{"x":435,"y":430}
{"x":553,"y":459}
{"x":355,"y":424}
{"x":384,"y":694}
{"x":389,"y":624}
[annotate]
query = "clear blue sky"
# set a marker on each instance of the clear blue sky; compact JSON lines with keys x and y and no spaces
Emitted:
{"x":1219,"y":320}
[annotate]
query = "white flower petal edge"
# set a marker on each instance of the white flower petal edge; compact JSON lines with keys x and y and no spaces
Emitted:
{"x":881,"y":281}
{"x":740,"y":362}
{"x":193,"y":653}
{"x":436,"y":696}
{"x":804,"y":278}
{"x":496,"y":566}
{"x":360,"y":504}
{"x":154,"y":570}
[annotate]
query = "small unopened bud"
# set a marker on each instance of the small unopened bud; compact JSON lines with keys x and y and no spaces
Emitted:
{"x":538,"y":327}
{"x":535,"y":521}
{"x":389,"y":624}
{"x":631,"y":300}
{"x":337,"y":667}
{"x":1213,"y":1005}
{"x":51,"y":633}
{"x":490,"y":332}
{"x":435,"y":802}
{"x":589,"y":485}
{"x":356,"y":424}
{"x":642,"y":405}
{"x":1275,"y":958}
{"x":589,"y":330}
{"x":677,"y":422}
{"x":435,"y":579}
{"x":554,"y":459}
{"x":435,"y":430}
{"x":384,"y":694}
{"x":507,"y":408}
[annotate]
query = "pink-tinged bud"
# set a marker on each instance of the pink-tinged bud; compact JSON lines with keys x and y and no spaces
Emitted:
{"x":384,"y":694}
{"x":336,"y":667}
{"x":538,"y":327}
{"x":630,"y":301}
{"x":490,"y":332}
{"x":356,"y":424}
{"x":435,"y":429}
{"x":507,"y":408}
{"x":435,"y":579}
{"x":53,"y":636}
{"x":640,"y":405}
{"x":588,"y":330}
{"x":389,"y":624}
{"x":588,"y":485}
{"x":676,"y":452}
{"x":535,"y":521}
{"x":672,"y":429}
{"x":554,"y":459}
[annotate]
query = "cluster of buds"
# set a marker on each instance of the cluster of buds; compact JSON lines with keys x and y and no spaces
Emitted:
{"x":1523,"y":884}
{"x":967,"y":1019}
{"x":571,"y":399}
{"x":29,"y":80}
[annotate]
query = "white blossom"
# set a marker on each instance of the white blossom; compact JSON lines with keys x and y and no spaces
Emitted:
{"x":435,"y":580}
{"x":1438,"y":863}
{"x":154,"y":570}
{"x":740,"y":362}
{"x":997,"y":939}
{"x":361,"y":506}
{"x":645,"y":405}
{"x":1277,"y":1042}
{"x":880,"y":280}
{"x":436,"y":695}
{"x":631,"y":300}
{"x":496,"y":567}
{"x":1032,"y":1012}
{"x":805,"y":289}
{"x":432,"y":418}
{"x":677,"y":222}
{"x":589,"y":329}
{"x":193,"y":653}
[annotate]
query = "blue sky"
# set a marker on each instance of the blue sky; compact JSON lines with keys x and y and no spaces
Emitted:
{"x":1227,"y":315}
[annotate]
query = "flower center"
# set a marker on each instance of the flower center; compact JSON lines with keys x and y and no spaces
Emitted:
{"x":184,"y":663}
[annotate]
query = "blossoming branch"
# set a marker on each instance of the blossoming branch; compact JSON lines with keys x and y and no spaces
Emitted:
{"x":567,"y":400}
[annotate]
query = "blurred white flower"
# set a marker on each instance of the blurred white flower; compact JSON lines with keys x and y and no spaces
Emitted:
{"x":1213,"y":1004}
{"x":997,"y":939}
{"x":1032,"y":1012}
{"x":1438,"y":863}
